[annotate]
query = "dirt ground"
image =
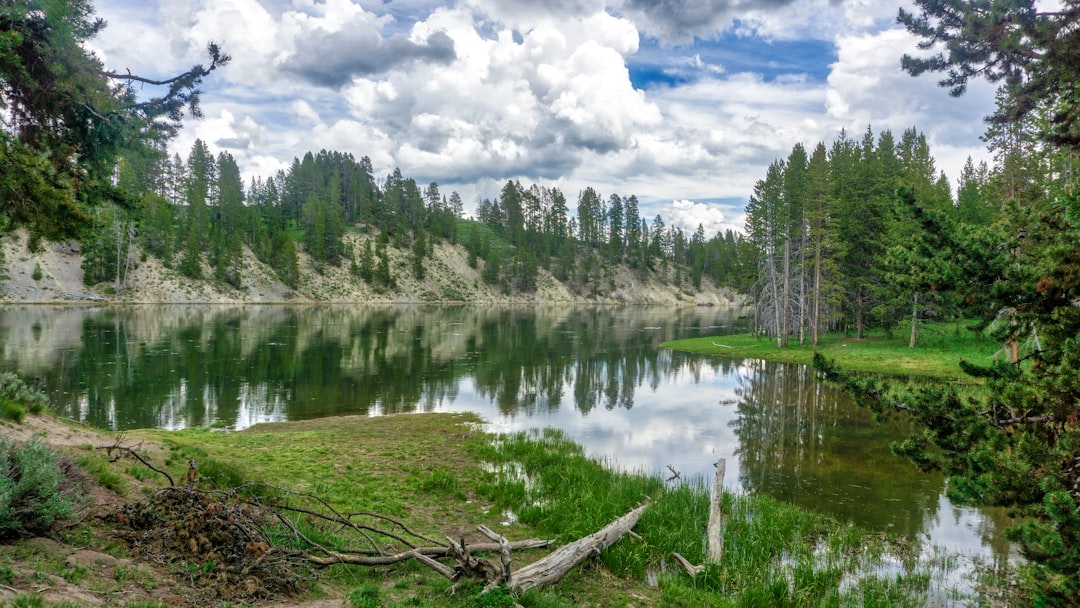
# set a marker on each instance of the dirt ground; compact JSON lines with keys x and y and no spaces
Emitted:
{"x":87,"y":562}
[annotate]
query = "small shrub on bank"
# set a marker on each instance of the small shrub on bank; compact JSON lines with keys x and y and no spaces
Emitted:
{"x":36,"y":488}
{"x":9,"y":410}
{"x":18,"y":397}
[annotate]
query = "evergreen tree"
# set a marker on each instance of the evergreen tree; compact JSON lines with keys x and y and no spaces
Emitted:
{"x":492,"y":272}
{"x":382,"y":268}
{"x":1016,"y":444}
{"x":367,"y":263}
{"x":191,"y":256}
{"x":227,"y":227}
{"x":419,"y":250}
{"x":615,"y":220}
{"x":972,"y":201}
{"x":1032,"y":50}
{"x":75,"y":118}
{"x":284,"y":260}
{"x":156,"y":227}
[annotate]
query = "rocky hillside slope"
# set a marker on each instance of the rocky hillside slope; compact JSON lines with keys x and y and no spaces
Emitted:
{"x":54,"y":275}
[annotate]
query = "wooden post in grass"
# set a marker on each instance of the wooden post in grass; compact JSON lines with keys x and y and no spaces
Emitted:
{"x":717,"y":520}
{"x":715,"y":530}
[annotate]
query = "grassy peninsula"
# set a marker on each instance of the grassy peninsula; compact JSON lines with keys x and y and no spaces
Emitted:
{"x":937,"y":352}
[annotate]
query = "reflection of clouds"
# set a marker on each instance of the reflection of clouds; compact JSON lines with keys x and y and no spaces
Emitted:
{"x":682,"y":422}
{"x":679,"y":423}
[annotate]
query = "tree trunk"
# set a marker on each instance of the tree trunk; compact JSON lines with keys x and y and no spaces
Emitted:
{"x":775,"y":298}
{"x":914,"y":318}
{"x":802,"y":286}
{"x":859,"y":320}
{"x":817,"y":293}
{"x":119,"y":249}
{"x":786,"y":301}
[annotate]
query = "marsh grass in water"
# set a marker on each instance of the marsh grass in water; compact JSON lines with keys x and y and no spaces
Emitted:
{"x":774,"y":553}
{"x":937,"y":352}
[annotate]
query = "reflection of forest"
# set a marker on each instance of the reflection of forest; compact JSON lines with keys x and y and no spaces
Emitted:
{"x":173,"y":366}
{"x":804,"y":442}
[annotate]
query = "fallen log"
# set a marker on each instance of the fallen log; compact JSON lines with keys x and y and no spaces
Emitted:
{"x":365,"y":559}
{"x":551,"y":569}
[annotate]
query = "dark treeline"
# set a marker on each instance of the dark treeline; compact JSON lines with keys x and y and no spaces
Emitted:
{"x":867,"y":232}
{"x":197,"y":215}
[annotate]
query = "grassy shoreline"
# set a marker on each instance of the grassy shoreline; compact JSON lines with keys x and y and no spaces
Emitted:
{"x":444,"y":476}
{"x":937,"y":353}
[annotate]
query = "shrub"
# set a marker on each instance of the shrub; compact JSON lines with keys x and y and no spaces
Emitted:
{"x":10,"y":410}
{"x":36,"y":487}
{"x":13,"y":389}
{"x":37,"y":274}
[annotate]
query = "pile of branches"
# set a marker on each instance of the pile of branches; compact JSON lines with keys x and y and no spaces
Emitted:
{"x":261,"y":542}
{"x":218,"y":539}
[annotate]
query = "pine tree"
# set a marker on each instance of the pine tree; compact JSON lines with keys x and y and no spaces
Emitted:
{"x":382,"y":268}
{"x":419,"y":251}
{"x":367,"y":263}
{"x":492,"y":272}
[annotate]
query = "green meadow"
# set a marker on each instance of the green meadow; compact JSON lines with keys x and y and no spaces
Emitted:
{"x":937,"y":352}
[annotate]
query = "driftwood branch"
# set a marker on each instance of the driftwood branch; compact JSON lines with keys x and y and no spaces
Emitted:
{"x":370,"y":558}
{"x":504,"y":556}
{"x":121,"y":451}
{"x":551,"y":569}
{"x":714,"y":532}
{"x":674,"y":473}
{"x":690,"y":568}
{"x":442,"y":569}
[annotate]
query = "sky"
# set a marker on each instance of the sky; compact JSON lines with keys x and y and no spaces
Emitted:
{"x":683,"y":103}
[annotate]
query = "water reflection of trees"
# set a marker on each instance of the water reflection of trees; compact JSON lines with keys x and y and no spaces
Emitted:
{"x":804,"y":442}
{"x":188,"y":365}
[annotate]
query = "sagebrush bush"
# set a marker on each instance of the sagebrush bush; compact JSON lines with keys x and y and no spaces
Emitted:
{"x":37,"y":487}
{"x":16,"y":390}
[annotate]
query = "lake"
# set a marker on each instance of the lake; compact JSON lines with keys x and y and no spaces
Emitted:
{"x":597,"y":373}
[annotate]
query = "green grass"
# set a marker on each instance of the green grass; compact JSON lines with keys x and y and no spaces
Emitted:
{"x":10,"y":410}
{"x":937,"y":352}
{"x":97,"y":466}
{"x":774,"y":553}
{"x":443,"y":477}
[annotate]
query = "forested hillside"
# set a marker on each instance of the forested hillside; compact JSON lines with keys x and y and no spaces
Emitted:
{"x":329,"y":216}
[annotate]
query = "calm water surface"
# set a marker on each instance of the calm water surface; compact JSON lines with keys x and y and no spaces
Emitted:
{"x":596,"y":373}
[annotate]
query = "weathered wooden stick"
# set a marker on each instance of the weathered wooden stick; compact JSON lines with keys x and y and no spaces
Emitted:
{"x":504,"y":551}
{"x":674,"y":474}
{"x":717,"y":520}
{"x":551,"y":569}
{"x":365,"y":558}
{"x":691,"y":569}
{"x":714,"y":532}
{"x":444,"y":570}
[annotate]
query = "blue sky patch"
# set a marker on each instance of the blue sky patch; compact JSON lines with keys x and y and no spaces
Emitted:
{"x":656,"y":66}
